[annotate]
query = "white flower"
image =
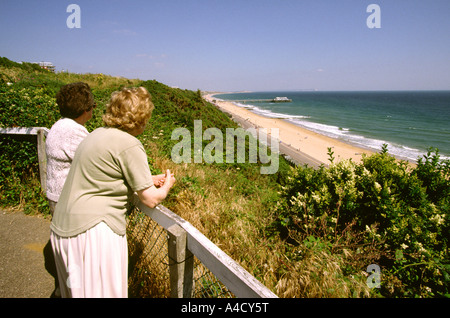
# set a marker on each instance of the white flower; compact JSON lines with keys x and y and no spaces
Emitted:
{"x":438,"y":219}
{"x":377,"y":186}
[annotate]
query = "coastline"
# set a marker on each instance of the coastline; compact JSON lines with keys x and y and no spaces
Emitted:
{"x":301,"y":145}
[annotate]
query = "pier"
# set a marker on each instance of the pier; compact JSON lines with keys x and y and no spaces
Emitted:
{"x":273,"y":100}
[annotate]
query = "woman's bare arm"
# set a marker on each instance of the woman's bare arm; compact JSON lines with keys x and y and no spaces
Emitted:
{"x":153,"y":196}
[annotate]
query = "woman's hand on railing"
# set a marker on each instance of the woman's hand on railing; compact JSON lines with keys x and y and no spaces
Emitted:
{"x":159,"y":179}
{"x":155,"y":194}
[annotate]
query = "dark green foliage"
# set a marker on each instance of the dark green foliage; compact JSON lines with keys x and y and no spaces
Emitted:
{"x":23,"y":107}
{"x":176,"y":108}
{"x":405,"y":210}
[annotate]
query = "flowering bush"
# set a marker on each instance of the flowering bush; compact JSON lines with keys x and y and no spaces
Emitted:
{"x":27,"y":107}
{"x":404,"y":210}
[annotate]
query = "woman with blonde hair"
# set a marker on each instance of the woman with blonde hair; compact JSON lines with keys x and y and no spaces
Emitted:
{"x":88,"y":229}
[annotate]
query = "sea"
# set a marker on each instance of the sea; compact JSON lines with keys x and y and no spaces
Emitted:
{"x":408,"y":122}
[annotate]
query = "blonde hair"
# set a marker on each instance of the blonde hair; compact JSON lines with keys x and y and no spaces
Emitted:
{"x":128,"y":109}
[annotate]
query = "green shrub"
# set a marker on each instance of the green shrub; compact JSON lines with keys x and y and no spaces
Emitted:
{"x":19,"y":175}
{"x":403,"y":211}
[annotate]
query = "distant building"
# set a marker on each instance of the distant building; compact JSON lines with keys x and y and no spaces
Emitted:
{"x":46,"y":65}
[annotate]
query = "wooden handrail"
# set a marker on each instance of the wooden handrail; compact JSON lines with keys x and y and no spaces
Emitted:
{"x":228,"y":271}
{"x":41,"y":133}
{"x":24,"y":130}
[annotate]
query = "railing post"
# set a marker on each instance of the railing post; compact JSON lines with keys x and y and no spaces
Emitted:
{"x":181,"y":263}
{"x":42,"y":157}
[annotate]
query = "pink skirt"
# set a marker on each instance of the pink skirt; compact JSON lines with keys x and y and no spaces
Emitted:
{"x":92,"y":264}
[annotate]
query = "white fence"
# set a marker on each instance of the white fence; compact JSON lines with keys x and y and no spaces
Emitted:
{"x":41,"y":133}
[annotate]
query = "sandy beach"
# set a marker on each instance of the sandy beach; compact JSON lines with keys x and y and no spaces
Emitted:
{"x":300,"y":145}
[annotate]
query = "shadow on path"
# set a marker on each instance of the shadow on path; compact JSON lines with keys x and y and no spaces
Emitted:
{"x":27,"y":268}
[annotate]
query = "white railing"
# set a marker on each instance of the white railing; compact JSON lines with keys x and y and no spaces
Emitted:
{"x":189,"y":240}
{"x":41,"y":133}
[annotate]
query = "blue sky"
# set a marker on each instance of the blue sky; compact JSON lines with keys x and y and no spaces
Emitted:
{"x":229,"y":45}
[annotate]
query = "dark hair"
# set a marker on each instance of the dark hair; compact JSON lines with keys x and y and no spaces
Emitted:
{"x":74,"y":99}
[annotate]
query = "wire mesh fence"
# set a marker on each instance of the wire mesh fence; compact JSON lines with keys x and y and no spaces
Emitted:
{"x":149,"y":263}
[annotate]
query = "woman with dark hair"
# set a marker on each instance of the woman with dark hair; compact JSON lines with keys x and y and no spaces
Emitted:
{"x":88,"y":229}
{"x":75,"y":102}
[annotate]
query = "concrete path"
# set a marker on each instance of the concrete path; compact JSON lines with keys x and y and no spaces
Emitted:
{"x":26,"y":259}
